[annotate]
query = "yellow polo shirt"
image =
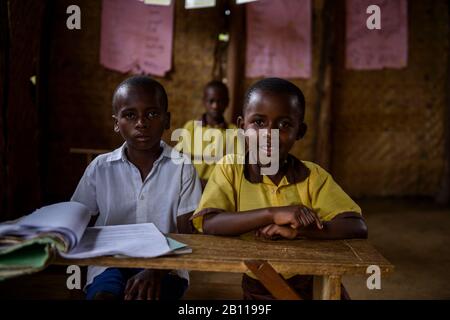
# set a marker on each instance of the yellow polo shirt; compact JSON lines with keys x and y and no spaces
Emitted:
{"x":229,"y":190}
{"x":306,"y":183}
{"x":204,"y":169}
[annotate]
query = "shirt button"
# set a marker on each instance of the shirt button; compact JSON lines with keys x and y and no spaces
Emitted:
{"x":142,"y":197}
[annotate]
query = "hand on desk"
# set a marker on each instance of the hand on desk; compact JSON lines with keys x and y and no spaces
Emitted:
{"x":146,"y":285}
{"x":287,"y":222}
{"x":346,"y":225}
{"x":273,"y":232}
{"x":295,"y":216}
{"x":237,"y":223}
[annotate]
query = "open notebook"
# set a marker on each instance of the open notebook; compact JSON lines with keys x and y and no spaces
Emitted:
{"x":26,"y":245}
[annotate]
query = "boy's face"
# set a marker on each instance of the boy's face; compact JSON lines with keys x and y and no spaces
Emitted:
{"x":140,"y":118}
{"x":267,"y":110}
{"x":215,"y":101}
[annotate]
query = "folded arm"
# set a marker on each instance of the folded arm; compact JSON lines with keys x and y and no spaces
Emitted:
{"x":347,"y":225}
{"x":236,"y":223}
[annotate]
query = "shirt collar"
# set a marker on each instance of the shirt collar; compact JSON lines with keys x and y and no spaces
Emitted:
{"x":221,"y":125}
{"x":295,"y":171}
{"x":119,"y":153}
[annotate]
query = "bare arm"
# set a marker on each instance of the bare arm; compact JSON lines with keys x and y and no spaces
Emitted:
{"x":236,"y":223}
{"x":348,"y":225}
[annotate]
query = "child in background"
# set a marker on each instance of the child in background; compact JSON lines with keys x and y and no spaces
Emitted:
{"x":215,"y":101}
{"x":143,"y":181}
{"x":301,"y":200}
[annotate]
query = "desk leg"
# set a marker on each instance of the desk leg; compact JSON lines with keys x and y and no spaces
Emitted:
{"x":273,"y":282}
{"x":327,"y":287}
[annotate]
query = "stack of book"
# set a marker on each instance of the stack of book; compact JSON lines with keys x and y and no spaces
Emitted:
{"x":28,"y":245}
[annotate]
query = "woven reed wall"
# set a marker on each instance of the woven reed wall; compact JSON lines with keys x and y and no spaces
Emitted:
{"x":389,"y":125}
{"x":80,"y":89}
{"x":20,"y":133}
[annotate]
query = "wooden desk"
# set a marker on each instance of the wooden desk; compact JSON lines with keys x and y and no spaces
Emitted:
{"x":326,"y":260}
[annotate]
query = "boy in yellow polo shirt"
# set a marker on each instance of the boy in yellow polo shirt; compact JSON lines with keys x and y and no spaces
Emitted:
{"x":301,"y":200}
{"x":215,"y":101}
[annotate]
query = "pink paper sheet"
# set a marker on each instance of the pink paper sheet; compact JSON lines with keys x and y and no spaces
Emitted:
{"x":279,"y":38}
{"x":136,"y":37}
{"x":377,"y":49}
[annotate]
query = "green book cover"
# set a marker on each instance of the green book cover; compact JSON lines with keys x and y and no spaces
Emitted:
{"x":26,"y":257}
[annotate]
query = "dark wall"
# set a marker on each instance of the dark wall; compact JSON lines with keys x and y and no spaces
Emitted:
{"x":21,"y":26}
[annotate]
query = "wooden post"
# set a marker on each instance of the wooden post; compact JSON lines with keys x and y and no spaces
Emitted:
{"x":42,"y":95}
{"x":21,"y":117}
{"x":443,"y":196}
{"x":324,"y":85}
{"x":273,"y":282}
{"x":4,"y":63}
{"x":327,"y":287}
{"x":236,"y":60}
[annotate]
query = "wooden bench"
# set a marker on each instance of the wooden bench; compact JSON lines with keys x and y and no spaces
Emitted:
{"x":327,"y":261}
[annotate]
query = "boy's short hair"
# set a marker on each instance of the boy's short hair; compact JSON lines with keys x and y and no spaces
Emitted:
{"x":216,"y":84}
{"x":143,"y":82}
{"x":277,"y":85}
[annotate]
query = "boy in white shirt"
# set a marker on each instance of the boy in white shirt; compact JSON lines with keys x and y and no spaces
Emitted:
{"x":144,"y":180}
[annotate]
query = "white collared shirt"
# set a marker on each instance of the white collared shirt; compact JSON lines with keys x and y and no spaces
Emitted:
{"x":112,"y":187}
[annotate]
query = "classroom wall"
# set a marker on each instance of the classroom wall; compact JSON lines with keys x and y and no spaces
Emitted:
{"x":387,"y":126}
{"x":80,"y":89}
{"x":20,"y":135}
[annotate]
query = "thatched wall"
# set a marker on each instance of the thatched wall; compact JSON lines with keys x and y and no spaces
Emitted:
{"x":80,"y":89}
{"x":387,"y":126}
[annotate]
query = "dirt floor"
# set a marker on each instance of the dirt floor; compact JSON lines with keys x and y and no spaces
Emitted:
{"x":415,"y":237}
{"x":412,"y":234}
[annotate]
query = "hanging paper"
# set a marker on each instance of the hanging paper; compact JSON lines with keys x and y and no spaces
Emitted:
{"x":157,"y":2}
{"x":244,"y":1}
{"x":370,"y":48}
{"x":194,"y":4}
{"x":136,"y":37}
{"x":279,"y":39}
